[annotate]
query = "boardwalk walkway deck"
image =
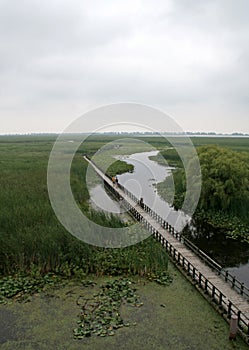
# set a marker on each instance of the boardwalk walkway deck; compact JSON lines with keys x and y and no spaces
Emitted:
{"x":206,"y":275}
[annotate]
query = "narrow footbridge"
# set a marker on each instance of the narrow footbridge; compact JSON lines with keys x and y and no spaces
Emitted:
{"x":227,"y":294}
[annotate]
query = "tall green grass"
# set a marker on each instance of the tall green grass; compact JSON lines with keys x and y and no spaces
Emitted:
{"x":31,"y":236}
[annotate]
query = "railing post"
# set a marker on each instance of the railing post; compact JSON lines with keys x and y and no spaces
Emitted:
{"x":200,"y":276}
{"x":233,"y":282}
{"x":239,"y":312}
{"x":220,"y":299}
{"x":242,"y":289}
{"x":213,"y":292}
{"x":170,"y":249}
{"x":174,"y":254}
{"x":206,"y":285}
{"x":229,"y":310}
{"x":226,"y":276}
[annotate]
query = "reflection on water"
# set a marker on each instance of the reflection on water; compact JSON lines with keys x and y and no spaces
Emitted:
{"x":101,"y":201}
{"x":142,"y":183}
{"x":241,"y":272}
{"x":230,"y":254}
{"x":147,"y":173}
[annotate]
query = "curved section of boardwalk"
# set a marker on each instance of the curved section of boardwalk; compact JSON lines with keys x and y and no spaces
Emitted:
{"x":206,"y":275}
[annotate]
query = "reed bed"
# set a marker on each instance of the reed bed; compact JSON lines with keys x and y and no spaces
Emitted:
{"x":31,"y":236}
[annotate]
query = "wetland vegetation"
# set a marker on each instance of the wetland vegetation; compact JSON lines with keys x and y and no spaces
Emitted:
{"x":38,"y":255}
{"x":31,"y":237}
{"x":173,"y":317}
{"x":222,"y":212}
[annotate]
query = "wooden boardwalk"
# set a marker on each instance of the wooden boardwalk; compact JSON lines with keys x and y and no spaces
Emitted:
{"x":208,"y":280}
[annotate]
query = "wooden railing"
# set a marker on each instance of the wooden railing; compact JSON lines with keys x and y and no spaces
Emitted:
{"x":208,"y":287}
{"x":227,"y":276}
{"x":228,"y":307}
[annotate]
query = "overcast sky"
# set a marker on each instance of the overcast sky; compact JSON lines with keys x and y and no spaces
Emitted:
{"x":59,"y":59}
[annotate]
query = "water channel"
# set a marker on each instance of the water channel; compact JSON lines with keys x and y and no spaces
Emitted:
{"x":232,"y":255}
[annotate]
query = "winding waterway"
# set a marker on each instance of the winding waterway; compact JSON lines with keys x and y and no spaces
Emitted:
{"x":142,"y":183}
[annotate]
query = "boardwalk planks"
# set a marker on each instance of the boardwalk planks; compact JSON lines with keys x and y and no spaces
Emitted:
{"x":206,"y":274}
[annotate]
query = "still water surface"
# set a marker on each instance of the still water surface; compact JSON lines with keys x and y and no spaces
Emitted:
{"x":142,"y":183}
{"x":147,"y":173}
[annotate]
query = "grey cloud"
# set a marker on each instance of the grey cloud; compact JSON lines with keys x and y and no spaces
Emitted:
{"x":31,"y":30}
{"x":172,"y":53}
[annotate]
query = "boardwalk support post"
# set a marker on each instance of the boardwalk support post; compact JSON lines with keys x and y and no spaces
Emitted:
{"x":233,"y":327}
